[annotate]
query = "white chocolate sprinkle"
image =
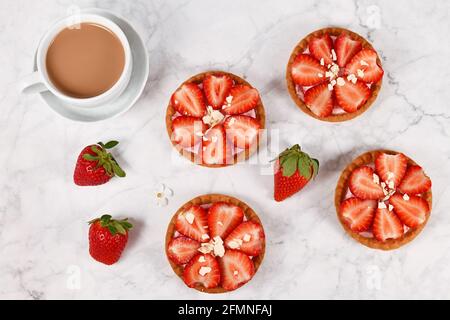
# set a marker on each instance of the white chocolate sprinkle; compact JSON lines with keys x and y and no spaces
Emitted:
{"x":340,"y":81}
{"x":363,"y":63}
{"x":189,"y":217}
{"x":204,"y":270}
{"x":333,"y":55}
{"x":205,"y":236}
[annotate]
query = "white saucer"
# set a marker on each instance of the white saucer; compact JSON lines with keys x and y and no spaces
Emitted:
{"x":129,"y":96}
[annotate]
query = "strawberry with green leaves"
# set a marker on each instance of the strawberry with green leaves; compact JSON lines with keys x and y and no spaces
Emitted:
{"x":96,"y":166}
{"x":108,"y":238}
{"x":293,"y":170}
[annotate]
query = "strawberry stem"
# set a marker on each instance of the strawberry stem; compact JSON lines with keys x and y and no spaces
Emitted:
{"x":105,"y":159}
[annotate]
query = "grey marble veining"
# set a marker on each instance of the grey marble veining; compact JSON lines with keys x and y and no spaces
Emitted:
{"x":43,"y":229}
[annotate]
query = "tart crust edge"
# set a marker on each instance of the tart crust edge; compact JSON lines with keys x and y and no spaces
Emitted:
{"x":301,"y":47}
{"x":249,"y":213}
{"x":340,"y":193}
{"x":242,"y":156}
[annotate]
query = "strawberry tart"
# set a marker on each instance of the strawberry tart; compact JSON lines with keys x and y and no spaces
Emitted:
{"x":334,"y":74}
{"x":215,"y":243}
{"x":214,"y":119}
{"x":383,"y":199}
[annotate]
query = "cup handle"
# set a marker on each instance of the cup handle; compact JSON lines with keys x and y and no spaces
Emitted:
{"x":32,"y":84}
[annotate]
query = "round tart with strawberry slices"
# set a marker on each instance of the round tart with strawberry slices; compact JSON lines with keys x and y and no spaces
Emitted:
{"x":214,"y":119}
{"x":383,"y":199}
{"x":215,"y":243}
{"x":334,"y":74}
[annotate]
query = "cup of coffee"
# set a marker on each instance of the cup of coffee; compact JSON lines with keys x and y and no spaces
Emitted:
{"x":86,"y":63}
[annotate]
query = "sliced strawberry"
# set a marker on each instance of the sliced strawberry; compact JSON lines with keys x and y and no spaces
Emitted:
{"x":413,"y":211}
{"x":248,"y":238}
{"x":358,"y":214}
{"x":346,"y":48}
{"x":181,"y":249}
{"x":216,"y":89}
{"x":351,"y":95}
{"x":320,"y":48}
{"x":242,"y":130}
{"x":415,"y":181}
{"x":306,"y":71}
{"x":223,"y":218}
{"x":215,"y":150}
{"x":319,"y":100}
{"x":188,"y":100}
{"x":386,"y":225}
{"x":203,"y":269}
{"x":244,"y":99}
{"x":391,"y":167}
{"x":366,"y":61}
{"x":237,"y":269}
{"x":362,"y":184}
{"x":193,"y":223}
{"x":187,"y":131}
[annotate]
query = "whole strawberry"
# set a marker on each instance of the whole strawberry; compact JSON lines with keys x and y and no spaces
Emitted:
{"x":96,"y":166}
{"x":108,"y":238}
{"x":293,"y":170}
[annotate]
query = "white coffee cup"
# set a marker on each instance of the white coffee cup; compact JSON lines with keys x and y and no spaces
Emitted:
{"x":39,"y":81}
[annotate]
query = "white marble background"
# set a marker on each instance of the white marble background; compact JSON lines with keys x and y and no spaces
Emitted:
{"x":43,"y":229}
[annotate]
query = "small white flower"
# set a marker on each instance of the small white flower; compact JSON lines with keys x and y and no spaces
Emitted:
{"x":322,"y":62}
{"x":391,"y":207}
{"x":162,"y":193}
{"x":405,"y":197}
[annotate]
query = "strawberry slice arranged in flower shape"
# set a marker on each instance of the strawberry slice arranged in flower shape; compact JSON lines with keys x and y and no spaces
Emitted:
{"x":387,"y":198}
{"x":344,"y":64}
{"x":216,"y":119}
{"x":216,"y":247}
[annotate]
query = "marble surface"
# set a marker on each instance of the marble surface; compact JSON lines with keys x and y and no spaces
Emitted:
{"x":43,"y":229}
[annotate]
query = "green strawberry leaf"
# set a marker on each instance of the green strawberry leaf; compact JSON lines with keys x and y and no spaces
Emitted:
{"x":289,"y":165}
{"x":89,"y":157}
{"x":104,"y":219}
{"x":112,"y":229}
{"x":96,"y":150}
{"x":304,"y":166}
{"x":119,"y":227}
{"x":315,"y":165}
{"x":110,"y":144}
{"x":126,"y":225}
{"x":117,"y":170}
